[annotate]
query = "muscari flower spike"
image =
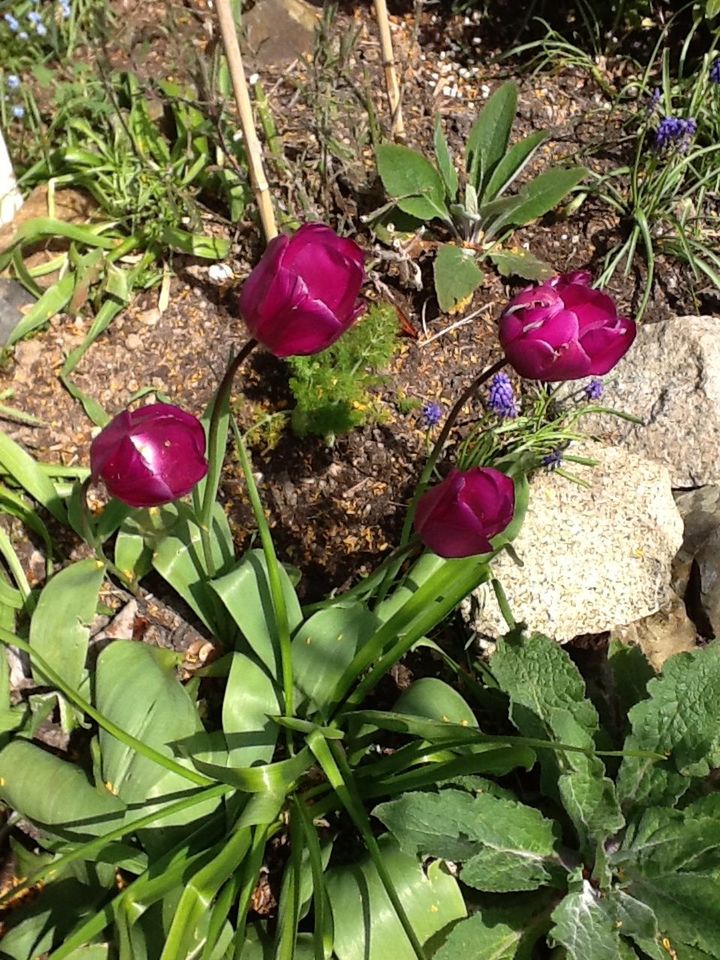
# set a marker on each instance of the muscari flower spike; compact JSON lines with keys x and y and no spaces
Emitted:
{"x":501,"y":398}
{"x":675,"y":131}
{"x":552,"y":460}
{"x":18,"y":111}
{"x":594,"y":390}
{"x":715,"y":72}
{"x":432,"y":414}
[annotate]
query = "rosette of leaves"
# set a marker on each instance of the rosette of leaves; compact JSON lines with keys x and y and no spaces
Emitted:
{"x":609,"y":861}
{"x":472,"y":213}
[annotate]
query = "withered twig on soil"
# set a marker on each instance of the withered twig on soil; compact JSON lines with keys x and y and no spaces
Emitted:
{"x":242,"y":98}
{"x":388,"y":62}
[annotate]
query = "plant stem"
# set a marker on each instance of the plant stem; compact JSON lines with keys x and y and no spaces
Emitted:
{"x":222,"y":399}
{"x":432,"y":461}
{"x":93,"y":540}
{"x":242,"y":98}
{"x":502,"y":600}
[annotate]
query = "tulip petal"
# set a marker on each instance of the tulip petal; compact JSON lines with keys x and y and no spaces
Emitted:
{"x":308,"y":327}
{"x":607,"y":346}
{"x":328,"y":274}
{"x":592,"y":307}
{"x":260,"y":283}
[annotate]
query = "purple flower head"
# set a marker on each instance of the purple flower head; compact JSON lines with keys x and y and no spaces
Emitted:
{"x":13,"y":81}
{"x":563,"y":329}
{"x":594,"y":390}
{"x":501,"y":398}
{"x":459,"y":516}
{"x":655,"y":100}
{"x":432,"y":414}
{"x":150,"y":456}
{"x":302,"y":295}
{"x":11,"y":21}
{"x":553,"y":460}
{"x":675,"y":131}
{"x":715,"y":72}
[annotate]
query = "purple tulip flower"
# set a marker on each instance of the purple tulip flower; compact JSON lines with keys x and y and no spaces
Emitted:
{"x":564,"y":330}
{"x":150,"y":456}
{"x":303,"y":294}
{"x":458,"y":517}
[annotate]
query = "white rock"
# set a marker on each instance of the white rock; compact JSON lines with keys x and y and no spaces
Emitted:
{"x":593,"y":557}
{"x":670,"y":379}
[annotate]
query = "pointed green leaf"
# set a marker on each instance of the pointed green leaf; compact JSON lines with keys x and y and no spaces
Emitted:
{"x":251,"y":698}
{"x":412,"y":181}
{"x":488,"y":139}
{"x":513,"y":164}
{"x":544,"y":193}
{"x":498,"y":933}
{"x":457,"y":276}
{"x":521,"y":263}
{"x":436,"y":700}
{"x":60,"y":626}
{"x":25,"y":471}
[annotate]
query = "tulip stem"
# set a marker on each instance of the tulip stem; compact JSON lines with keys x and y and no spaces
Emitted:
{"x":216,"y":457}
{"x":432,"y":461}
{"x":92,"y":539}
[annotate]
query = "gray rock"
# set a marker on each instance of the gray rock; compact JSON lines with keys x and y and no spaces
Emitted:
{"x":662,"y":635}
{"x":279,"y":31}
{"x":670,"y":379}
{"x":700,"y":511}
{"x":13,"y":298}
{"x":708,"y":566}
{"x":593,"y":557}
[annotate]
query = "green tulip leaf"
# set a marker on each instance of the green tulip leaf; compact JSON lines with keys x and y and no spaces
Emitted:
{"x":366,"y":925}
{"x":59,"y":629}
{"x":436,"y":700}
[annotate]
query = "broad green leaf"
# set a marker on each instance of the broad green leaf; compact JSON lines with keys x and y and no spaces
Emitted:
{"x":436,"y":700}
{"x":393,"y":225}
{"x":27,"y":472}
{"x":488,"y":139}
{"x":178,"y":558}
{"x":667,"y":841}
{"x":544,"y":193}
{"x":680,"y":718}
{"x":135,"y":687}
{"x":584,"y":928}
{"x":630,"y":672}
{"x":547,"y":697}
{"x":252,"y":696}
{"x":60,"y":626}
{"x":366,"y":926}
{"x":503,"y":845}
{"x":324,"y":647}
{"x":457,"y":276}
{"x":54,"y":794}
{"x":245,"y":591}
{"x":412,"y":181}
{"x":635,"y":921}
{"x":445,"y":162}
{"x":513,"y":164}
{"x":521,"y":263}
{"x":712,"y":8}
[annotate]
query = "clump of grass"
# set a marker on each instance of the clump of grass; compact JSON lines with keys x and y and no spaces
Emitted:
{"x":333,"y":389}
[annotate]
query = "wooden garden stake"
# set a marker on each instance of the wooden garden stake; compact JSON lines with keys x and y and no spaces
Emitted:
{"x":10,"y":197}
{"x":247,"y":123}
{"x":388,"y":62}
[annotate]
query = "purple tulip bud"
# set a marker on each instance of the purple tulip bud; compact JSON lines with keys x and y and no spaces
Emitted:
{"x":458,"y":517}
{"x":564,"y":330}
{"x":303,"y":294}
{"x":150,"y":456}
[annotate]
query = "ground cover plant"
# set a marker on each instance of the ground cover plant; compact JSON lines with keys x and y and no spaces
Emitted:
{"x":340,"y":773}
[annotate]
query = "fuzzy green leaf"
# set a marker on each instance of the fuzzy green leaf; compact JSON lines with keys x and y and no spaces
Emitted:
{"x":412,"y":181}
{"x":584,"y":928}
{"x":513,"y":164}
{"x":681,"y":718}
{"x":498,"y":933}
{"x":445,"y":161}
{"x":457,"y":276}
{"x":504,"y":845}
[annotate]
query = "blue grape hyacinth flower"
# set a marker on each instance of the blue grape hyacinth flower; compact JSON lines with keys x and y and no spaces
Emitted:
{"x":501,"y":397}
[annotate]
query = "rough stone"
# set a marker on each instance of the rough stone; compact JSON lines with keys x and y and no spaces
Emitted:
{"x":670,"y":379}
{"x":662,"y":635}
{"x":593,"y":557}
{"x":708,"y":566}
{"x":279,"y":31}
{"x":13,"y":300}
{"x":700,"y":511}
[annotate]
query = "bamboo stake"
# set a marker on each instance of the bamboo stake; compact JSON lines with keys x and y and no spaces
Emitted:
{"x":388,"y":62}
{"x":247,"y":123}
